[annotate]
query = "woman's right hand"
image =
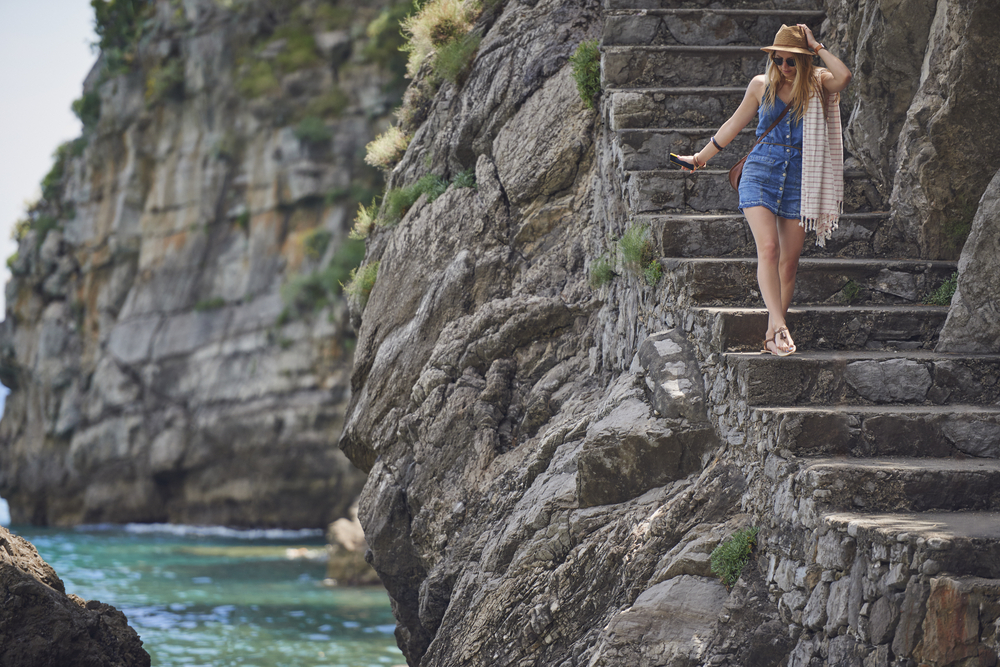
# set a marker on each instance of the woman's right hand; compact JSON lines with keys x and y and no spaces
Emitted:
{"x":690,"y":160}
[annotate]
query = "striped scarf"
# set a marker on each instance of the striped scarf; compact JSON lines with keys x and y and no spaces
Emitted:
{"x":822,"y":169}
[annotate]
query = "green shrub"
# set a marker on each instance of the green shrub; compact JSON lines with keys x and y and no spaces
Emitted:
{"x":11,"y":261}
{"x":397,"y":202}
{"x":52,"y":182}
{"x":432,"y":185}
{"x":257,"y":79}
{"x":635,"y":247}
{"x":586,"y":62}
{"x":731,"y":556}
{"x":850,"y":292}
{"x":243,"y":220}
{"x":438,"y":23}
{"x":363,"y":221}
{"x":300,"y":48}
{"x":943,"y":294}
{"x":652,"y":273}
{"x":119,"y":23}
{"x":602,"y":270}
{"x":165,"y":82}
{"x":312,"y":130}
{"x":316,"y":242}
{"x":44,"y":224}
{"x":309,"y":293}
{"x":387,"y":148}
{"x":214,"y":303}
{"x":361,"y":282}
{"x":465,"y":179}
{"x":454,"y":57}
{"x":330,"y":104}
{"x":386,"y":41}
{"x":88,"y":109}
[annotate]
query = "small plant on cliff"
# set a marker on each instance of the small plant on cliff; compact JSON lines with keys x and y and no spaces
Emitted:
{"x":330,"y":104}
{"x":731,"y":556}
{"x":602,"y":270}
{"x":165,"y":82}
{"x":316,"y":242}
{"x":437,"y":24}
{"x":465,"y":179}
{"x":850,"y":292}
{"x":312,"y":130}
{"x":453,"y":59}
{"x":586,"y":62}
{"x":636,"y":247}
{"x":364,"y":220}
{"x":387,"y":149}
{"x":942,"y":295}
{"x":88,"y":109}
{"x":361,"y":282}
{"x":119,"y":25}
{"x":386,"y":41}
{"x":652,"y":273}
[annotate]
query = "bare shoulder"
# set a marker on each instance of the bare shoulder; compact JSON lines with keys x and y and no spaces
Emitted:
{"x":757,"y":86}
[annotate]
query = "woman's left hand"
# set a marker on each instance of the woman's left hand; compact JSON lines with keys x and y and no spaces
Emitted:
{"x":811,"y":40}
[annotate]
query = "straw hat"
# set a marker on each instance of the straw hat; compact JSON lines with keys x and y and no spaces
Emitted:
{"x":790,"y":38}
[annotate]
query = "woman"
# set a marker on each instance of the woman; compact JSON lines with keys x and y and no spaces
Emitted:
{"x":771,"y":188}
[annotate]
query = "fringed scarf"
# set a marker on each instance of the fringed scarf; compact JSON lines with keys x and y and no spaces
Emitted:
{"x":822,"y":168}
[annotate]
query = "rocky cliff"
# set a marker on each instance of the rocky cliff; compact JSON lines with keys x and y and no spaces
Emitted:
{"x":42,"y":626}
{"x":554,"y":394}
{"x":175,"y":340}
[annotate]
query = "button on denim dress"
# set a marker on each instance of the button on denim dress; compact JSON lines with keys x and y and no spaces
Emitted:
{"x":772,"y":174}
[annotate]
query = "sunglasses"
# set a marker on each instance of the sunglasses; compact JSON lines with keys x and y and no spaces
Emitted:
{"x":780,"y":61}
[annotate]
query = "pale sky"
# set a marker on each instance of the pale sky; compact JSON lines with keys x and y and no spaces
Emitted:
{"x":44,"y":56}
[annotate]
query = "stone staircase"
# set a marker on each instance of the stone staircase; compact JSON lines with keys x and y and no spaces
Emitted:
{"x":875,"y":458}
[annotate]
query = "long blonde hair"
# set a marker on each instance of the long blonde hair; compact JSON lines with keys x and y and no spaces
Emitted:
{"x":805,"y":85}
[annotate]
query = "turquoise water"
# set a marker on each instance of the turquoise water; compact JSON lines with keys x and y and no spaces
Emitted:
{"x":217,"y":597}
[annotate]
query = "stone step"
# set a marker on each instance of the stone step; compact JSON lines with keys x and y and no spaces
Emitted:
{"x":709,"y":191}
{"x":707,"y":27}
{"x":965,"y":543}
{"x":680,"y":66}
{"x":878,"y":430}
{"x":707,"y":235}
{"x":712,"y":281}
{"x":672,"y":107}
{"x":650,"y":149}
{"x":828,"y":328}
{"x":705,"y":4}
{"x":902,"y":484}
{"x":856,"y":377}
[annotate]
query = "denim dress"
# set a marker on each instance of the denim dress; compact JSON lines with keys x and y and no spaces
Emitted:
{"x":772,"y":174}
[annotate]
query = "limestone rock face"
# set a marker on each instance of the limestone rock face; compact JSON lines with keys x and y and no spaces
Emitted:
{"x":41,"y":626}
{"x":163,"y":365}
{"x":973,"y":323}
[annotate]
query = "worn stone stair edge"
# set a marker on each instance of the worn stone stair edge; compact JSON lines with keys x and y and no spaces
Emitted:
{"x":694,"y":11}
{"x":677,"y":173}
{"x":880,"y":409}
{"x":935,"y":530}
{"x":726,"y":49}
{"x":820,"y":262}
{"x":709,"y":217}
{"x":689,"y":90}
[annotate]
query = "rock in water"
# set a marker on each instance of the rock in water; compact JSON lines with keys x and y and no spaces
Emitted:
{"x":42,"y":626}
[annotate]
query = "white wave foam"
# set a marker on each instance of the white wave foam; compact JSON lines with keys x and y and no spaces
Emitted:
{"x":182,"y":530}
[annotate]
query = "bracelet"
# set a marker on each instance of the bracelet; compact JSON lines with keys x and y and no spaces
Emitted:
{"x":717,"y":144}
{"x":696,"y":165}
{"x":819,"y":47}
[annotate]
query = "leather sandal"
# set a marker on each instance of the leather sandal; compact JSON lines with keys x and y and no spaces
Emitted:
{"x":783,"y":333}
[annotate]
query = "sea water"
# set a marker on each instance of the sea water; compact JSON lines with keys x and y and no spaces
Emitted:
{"x":216,"y":597}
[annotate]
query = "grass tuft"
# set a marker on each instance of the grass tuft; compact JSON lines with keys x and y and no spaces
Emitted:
{"x":465,"y":179}
{"x":652,"y":273}
{"x":731,"y":556}
{"x":602,"y":270}
{"x":437,"y":24}
{"x":453,"y":58}
{"x":360,"y":283}
{"x":943,"y":295}
{"x":387,"y":149}
{"x":364,"y":220}
{"x":312,"y":130}
{"x":636,"y":247}
{"x":316,"y":242}
{"x":586,"y":62}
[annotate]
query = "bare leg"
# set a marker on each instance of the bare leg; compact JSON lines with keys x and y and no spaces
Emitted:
{"x":779,"y":244}
{"x":790,"y":239}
